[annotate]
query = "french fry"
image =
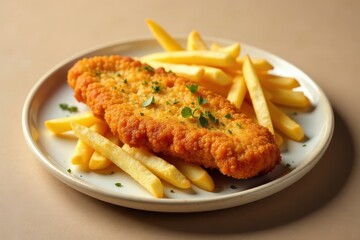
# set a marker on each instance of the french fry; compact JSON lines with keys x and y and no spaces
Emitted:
{"x":237,"y":91}
{"x":276,"y":82}
{"x":196,"y":174}
{"x":217,"y":76}
{"x":233,"y":49}
{"x":278,"y":139}
{"x":284,"y":123}
{"x":98,"y":161}
{"x":159,"y":167}
{"x":289,"y":98}
{"x":194,"y":73}
{"x":201,"y":57}
{"x":120,"y":158}
{"x":214,"y":87}
{"x":195,"y":42}
{"x":162,"y":37}
{"x":257,"y":95}
{"x":61,"y":125}
{"x":83,"y":152}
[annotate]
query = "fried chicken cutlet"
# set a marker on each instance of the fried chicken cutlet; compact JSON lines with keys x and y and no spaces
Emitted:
{"x":171,"y":115}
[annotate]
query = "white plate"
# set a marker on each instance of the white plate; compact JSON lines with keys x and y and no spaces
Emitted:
{"x":54,"y":152}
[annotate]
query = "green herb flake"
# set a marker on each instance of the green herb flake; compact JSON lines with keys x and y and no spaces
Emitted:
{"x":149,"y":68}
{"x":156,"y":88}
{"x":193,"y":88}
{"x":304,"y":145}
{"x":176,"y":102}
{"x":228,"y":116}
{"x":118,"y":74}
{"x":125,"y":80}
{"x":212,"y":118}
{"x":118,"y":184}
{"x":229,"y":131}
{"x":69,"y":170}
{"x":201,"y":100}
{"x":186,"y":112}
{"x":141,"y":113}
{"x":66,"y":107}
{"x":203,"y":121}
{"x":239,"y":125}
{"x":148,"y":101}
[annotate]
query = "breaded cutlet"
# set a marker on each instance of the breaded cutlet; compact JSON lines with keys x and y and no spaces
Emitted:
{"x":171,"y":115}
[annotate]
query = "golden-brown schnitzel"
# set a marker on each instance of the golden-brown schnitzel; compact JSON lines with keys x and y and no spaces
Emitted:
{"x":171,"y":115}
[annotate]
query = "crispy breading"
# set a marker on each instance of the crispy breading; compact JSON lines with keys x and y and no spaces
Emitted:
{"x":116,"y":89}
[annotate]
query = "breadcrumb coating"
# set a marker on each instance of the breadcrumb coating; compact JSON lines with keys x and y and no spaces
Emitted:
{"x":143,"y":106}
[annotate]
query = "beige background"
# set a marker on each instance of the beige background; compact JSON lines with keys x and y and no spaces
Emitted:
{"x":320,"y":37}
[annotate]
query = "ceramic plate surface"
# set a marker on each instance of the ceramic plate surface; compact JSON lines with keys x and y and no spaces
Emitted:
{"x":54,"y":152}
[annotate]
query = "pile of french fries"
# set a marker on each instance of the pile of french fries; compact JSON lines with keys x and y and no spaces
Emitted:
{"x":246,"y":82}
{"x":98,"y":149}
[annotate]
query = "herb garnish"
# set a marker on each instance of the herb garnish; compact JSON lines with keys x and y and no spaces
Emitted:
{"x":186,"y":112}
{"x":66,"y":107}
{"x":228,"y":115}
{"x":125,"y":80}
{"x":118,"y":184}
{"x":156,"y":88}
{"x":239,"y":125}
{"x":149,"y":68}
{"x":193,"y":88}
{"x":148,"y":101}
{"x":211,"y":117}
{"x":69,"y":170}
{"x":201,"y":100}
{"x":203,"y":121}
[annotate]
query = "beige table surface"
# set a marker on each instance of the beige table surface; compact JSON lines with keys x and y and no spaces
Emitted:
{"x":320,"y":37}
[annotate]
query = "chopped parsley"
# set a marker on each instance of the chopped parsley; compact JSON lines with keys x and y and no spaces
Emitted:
{"x":118,"y":184}
{"x":211,"y":117}
{"x":176,"y":102}
{"x":148,"y":101}
{"x":193,"y":88}
{"x":228,"y":116}
{"x":156,"y":88}
{"x":125,"y":80}
{"x":149,"y":68}
{"x":69,"y":170}
{"x":201,"y":100}
{"x":239,"y":125}
{"x":229,"y":131}
{"x":203,"y":121}
{"x":186,"y":112}
{"x":66,"y":107}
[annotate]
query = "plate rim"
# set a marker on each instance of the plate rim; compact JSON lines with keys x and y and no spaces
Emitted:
{"x":181,"y":205}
